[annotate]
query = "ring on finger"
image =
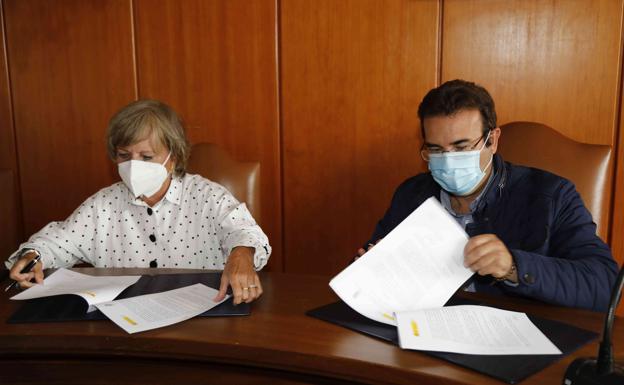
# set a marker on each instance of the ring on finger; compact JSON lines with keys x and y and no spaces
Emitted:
{"x":245,"y":288}
{"x":253,"y":286}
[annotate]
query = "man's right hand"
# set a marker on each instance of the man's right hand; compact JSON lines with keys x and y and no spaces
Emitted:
{"x":361,"y":250}
{"x":24,"y":279}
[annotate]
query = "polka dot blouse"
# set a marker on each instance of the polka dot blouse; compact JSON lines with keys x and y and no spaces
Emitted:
{"x":195,"y":225}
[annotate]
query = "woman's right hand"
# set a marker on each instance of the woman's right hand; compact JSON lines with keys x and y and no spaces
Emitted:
{"x":24,"y":279}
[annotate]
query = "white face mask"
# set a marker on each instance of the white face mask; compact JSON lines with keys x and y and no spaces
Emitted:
{"x":143,"y":178}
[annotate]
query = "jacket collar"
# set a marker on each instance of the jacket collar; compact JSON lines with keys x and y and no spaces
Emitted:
{"x":496,"y":188}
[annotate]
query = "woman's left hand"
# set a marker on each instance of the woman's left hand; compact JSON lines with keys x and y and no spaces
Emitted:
{"x":239,"y":273}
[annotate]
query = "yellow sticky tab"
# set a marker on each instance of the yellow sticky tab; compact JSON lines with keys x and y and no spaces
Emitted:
{"x":415,"y":328}
{"x":90,"y":293}
{"x":388,"y":316}
{"x":129,"y":320}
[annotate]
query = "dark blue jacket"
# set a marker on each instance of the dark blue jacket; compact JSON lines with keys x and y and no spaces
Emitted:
{"x":543,"y":222}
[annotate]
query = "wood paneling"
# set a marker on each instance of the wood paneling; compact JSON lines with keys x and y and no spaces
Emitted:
{"x":554,"y":62}
{"x":9,"y":240}
{"x":617,"y":224}
{"x":71,"y":68}
{"x":215,"y":62}
{"x":353,"y":73}
{"x":10,"y":221}
{"x":617,"y":231}
{"x":7,"y":134}
{"x":347,"y":74}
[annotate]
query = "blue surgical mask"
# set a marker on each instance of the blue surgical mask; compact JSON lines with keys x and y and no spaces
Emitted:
{"x":458,"y":172}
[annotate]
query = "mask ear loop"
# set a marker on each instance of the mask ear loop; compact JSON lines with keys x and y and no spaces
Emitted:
{"x":491,"y":158}
{"x":486,"y":140}
{"x":165,"y":162}
{"x":168,"y":156}
{"x":482,"y":147}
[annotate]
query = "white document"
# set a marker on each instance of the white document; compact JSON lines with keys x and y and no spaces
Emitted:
{"x":418,"y":265}
{"x":151,"y":311}
{"x":94,"y":289}
{"x":471,"y":329}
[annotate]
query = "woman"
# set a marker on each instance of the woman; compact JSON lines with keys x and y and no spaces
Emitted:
{"x":157,"y":216}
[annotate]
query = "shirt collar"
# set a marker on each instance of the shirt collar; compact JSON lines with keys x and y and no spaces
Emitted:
{"x":173,"y":195}
{"x":445,"y":198}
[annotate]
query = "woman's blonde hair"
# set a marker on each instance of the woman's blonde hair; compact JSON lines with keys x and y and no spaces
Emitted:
{"x":140,"y":120}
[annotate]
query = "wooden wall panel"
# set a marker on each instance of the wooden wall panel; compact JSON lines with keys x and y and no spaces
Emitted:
{"x":353,"y":74}
{"x":8,"y":157}
{"x":10,"y":219}
{"x":215,"y":62}
{"x":71,"y":68}
{"x":617,"y":224}
{"x":617,"y":234}
{"x":9,"y":212}
{"x":555,"y":62}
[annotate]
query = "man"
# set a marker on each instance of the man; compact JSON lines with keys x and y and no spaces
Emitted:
{"x":530,"y":233}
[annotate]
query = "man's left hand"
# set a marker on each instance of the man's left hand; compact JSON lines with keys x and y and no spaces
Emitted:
{"x":239,"y":273}
{"x":487,"y":254}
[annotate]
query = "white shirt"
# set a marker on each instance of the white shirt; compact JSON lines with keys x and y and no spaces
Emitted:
{"x":195,"y":225}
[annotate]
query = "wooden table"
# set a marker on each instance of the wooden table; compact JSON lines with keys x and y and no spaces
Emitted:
{"x":277,"y":344}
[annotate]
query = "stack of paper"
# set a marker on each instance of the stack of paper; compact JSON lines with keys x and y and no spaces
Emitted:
{"x":92,"y":289}
{"x":134,"y":314}
{"x":151,"y":311}
{"x":472,"y":329}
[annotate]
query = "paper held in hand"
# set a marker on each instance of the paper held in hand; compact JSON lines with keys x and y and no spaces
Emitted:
{"x":406,"y":279}
{"x":418,"y":265}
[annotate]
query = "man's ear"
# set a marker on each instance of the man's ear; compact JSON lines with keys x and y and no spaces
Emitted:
{"x":493,"y":140}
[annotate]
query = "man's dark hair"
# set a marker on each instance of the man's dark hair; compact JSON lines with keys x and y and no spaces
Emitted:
{"x":454,"y":96}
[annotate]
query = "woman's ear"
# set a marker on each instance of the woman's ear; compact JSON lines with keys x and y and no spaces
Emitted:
{"x":172,"y":164}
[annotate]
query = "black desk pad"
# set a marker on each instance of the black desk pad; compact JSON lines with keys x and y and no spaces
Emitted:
{"x":508,"y":368}
{"x":74,"y":308}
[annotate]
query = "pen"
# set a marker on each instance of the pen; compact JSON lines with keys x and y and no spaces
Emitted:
{"x":25,"y":270}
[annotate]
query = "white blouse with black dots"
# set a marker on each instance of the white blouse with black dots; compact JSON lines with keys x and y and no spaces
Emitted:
{"x":195,"y":225}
